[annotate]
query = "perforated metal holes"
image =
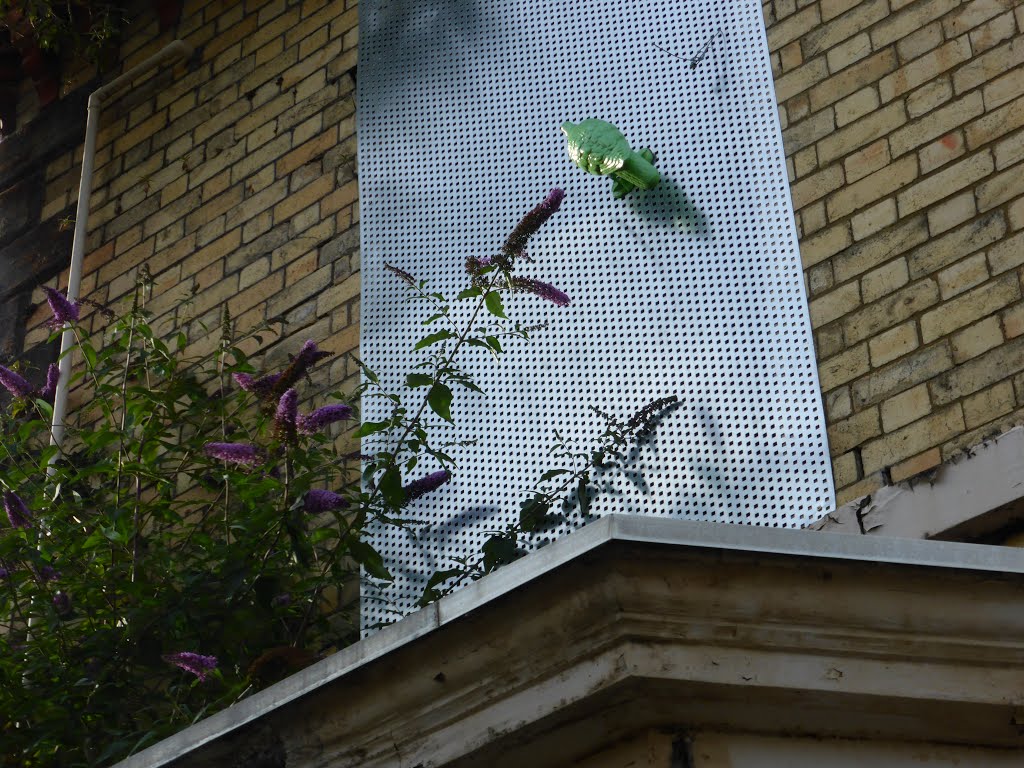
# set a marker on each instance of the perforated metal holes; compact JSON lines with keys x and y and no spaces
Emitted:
{"x":691,"y":289}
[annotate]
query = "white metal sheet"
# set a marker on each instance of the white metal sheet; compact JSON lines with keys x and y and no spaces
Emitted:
{"x":694,"y":288}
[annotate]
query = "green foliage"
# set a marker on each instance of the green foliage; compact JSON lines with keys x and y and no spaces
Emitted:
{"x":191,"y":539}
{"x":75,"y":27}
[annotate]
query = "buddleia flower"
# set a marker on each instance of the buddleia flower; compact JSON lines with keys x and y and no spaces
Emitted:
{"x":316,"y":420}
{"x":515,"y":245}
{"x":401,"y":274}
{"x":52,"y":378}
{"x":63,"y":310}
{"x":425,"y":484}
{"x":196,"y":663}
{"x":286,"y":414}
{"x":16,"y":384}
{"x":17,"y":512}
{"x":262,"y":387}
{"x":245,"y":454}
{"x":540,"y":288}
{"x":62,"y":603}
{"x":317,"y":500}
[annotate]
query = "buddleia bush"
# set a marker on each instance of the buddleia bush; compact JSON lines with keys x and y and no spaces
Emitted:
{"x":199,"y":532}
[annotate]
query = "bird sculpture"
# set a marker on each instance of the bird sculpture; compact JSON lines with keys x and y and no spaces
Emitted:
{"x":599,"y":147}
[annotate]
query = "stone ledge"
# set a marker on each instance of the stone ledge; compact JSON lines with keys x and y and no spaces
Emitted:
{"x":639,"y":622}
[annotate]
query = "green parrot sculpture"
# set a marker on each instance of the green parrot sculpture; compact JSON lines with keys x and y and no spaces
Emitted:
{"x":598,"y":147}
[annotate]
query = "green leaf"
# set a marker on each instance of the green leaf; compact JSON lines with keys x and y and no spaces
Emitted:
{"x":493,"y":303}
{"x":470,"y":385}
{"x":532,"y":512}
{"x":433,"y":338}
{"x":414,"y":380}
{"x":553,"y":473}
{"x":372,"y":427}
{"x":370,"y":559}
{"x":581,"y":493}
{"x":469,"y":293}
{"x":498,"y":550}
{"x":390,"y":486}
{"x":492,"y":342}
{"x":440,"y":400}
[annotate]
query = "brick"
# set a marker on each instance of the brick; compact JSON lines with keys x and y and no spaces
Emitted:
{"x":849,"y":52}
{"x":924,"y":68}
{"x":805,"y":161}
{"x":784,"y":32}
{"x":898,"y":26}
{"x":834,"y":305}
{"x":1008,"y":254}
{"x":336,"y":295}
{"x":891,"y":310}
{"x":854,"y":136}
{"x":141,"y":132}
{"x":308,"y":195}
{"x":816,"y":186}
{"x":801,"y":78}
{"x":880,"y":248}
{"x":211,"y":209}
{"x":905,"y":407}
{"x":812,"y":218}
{"x":299,"y":291}
{"x":916,"y":465}
{"x":874,"y":219}
{"x":989,"y":404}
{"x":844,"y":469}
{"x":807,"y":132}
{"x":941,"y":184}
{"x":957,"y":244}
{"x":215,"y":251}
{"x":980,"y":372}
{"x":972,"y":14}
{"x":989,"y":65}
{"x":884,"y":280}
{"x":257,"y":203}
{"x":913,"y":439}
{"x":963,"y":275}
{"x":852,"y":79}
{"x":939,"y":122}
{"x":893,"y":344}
{"x":970,"y":306}
{"x":994,"y":124}
{"x":819,"y":278}
{"x":838,"y":404}
{"x":941,"y":152}
{"x":879,"y":184}
{"x":859,"y":18}
{"x":992,"y":32}
{"x":867,"y":160}
{"x":928,"y":97}
{"x":847,"y":434}
{"x":979,"y":338}
{"x":1004,"y":89}
{"x":1013,"y":322}
{"x":1015,"y":213}
{"x":950,"y":213}
{"x":844,"y":367}
{"x":855,"y":106}
{"x":1009,"y":151}
{"x":1000,"y":188}
{"x":919,"y":42}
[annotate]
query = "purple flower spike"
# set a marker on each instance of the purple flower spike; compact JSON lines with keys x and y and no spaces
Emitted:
{"x":262,"y":387}
{"x":426,"y":484}
{"x":17,"y":512}
{"x":48,"y":573}
{"x":515,"y":245}
{"x":196,"y":663}
{"x":401,"y":274}
{"x":62,"y":603}
{"x":321,"y":501}
{"x":316,"y":420}
{"x":310,"y":354}
{"x":234,"y":453}
{"x":52,"y":377}
{"x":17,"y":385}
{"x":287,"y":411}
{"x":542,"y":289}
{"x":63,"y":310}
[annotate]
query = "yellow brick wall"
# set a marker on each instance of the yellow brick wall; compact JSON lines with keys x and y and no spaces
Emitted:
{"x":902,"y":124}
{"x":232,"y":180}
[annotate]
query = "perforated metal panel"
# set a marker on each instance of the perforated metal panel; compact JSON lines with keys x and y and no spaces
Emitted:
{"x":694,"y":288}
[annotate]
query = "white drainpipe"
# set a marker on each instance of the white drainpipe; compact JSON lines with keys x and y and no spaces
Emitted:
{"x":173,"y":52}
